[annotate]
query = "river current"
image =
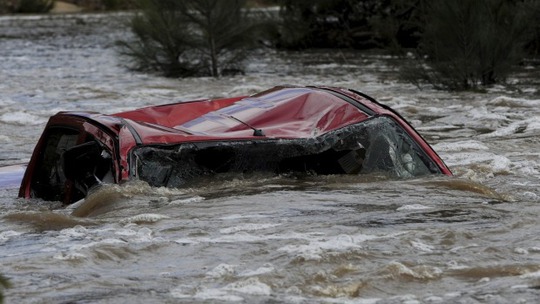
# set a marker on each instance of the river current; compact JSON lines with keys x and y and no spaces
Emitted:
{"x":471,"y":238}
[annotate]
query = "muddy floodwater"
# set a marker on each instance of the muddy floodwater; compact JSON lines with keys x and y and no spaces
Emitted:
{"x":471,"y":238}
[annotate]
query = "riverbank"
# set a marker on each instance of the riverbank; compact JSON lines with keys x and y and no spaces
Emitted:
{"x":61,"y":7}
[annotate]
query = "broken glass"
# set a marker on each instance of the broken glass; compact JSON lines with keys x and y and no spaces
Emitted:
{"x":375,"y":145}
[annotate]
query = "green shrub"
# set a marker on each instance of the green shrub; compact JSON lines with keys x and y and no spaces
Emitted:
{"x":34,"y":6}
{"x":116,"y":4}
{"x":397,"y":25}
{"x":533,"y":44}
{"x":466,"y":43}
{"x":182,"y":38}
{"x":4,"y":283}
{"x":328,"y":23}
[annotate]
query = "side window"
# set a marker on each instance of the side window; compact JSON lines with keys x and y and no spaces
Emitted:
{"x":72,"y":162}
{"x":49,"y":182}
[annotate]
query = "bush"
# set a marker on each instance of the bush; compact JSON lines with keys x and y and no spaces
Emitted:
{"x":328,"y":23}
{"x":4,"y":283}
{"x":469,"y":43}
{"x":190,"y":38}
{"x":34,"y":6}
{"x":533,"y":44}
{"x":25,"y":6}
{"x":397,"y":25}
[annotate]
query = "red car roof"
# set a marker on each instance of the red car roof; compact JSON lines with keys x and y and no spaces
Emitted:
{"x":279,"y":113}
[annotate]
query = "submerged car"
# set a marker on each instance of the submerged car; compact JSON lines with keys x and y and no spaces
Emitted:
{"x":284,"y":130}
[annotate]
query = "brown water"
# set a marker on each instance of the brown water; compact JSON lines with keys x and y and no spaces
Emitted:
{"x":472,"y":238}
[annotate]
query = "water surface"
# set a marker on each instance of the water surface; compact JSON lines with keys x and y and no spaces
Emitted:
{"x":262,"y":239}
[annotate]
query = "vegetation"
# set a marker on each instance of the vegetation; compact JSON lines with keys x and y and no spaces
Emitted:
{"x":398,"y":25}
{"x":458,"y":44}
{"x":4,"y":283}
{"x":533,"y":43}
{"x":327,"y":23}
{"x":26,"y":6}
{"x":455,"y":44}
{"x":182,"y":38}
{"x":465,"y":44}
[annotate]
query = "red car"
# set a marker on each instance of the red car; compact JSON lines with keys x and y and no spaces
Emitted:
{"x":284,"y":130}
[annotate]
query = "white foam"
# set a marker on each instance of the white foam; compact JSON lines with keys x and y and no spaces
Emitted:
{"x":69,"y":256}
{"x":534,"y":249}
{"x":529,"y":168}
{"x":418,"y":272}
{"x":145,"y":234}
{"x":342,"y":300}
{"x":240,"y":237}
{"x":247,"y":227}
{"x":216,"y":294}
{"x":514,"y":102}
{"x":186,"y":201}
{"x":75,"y":232}
{"x":531,"y":275}
{"x":126,"y":232}
{"x":145,"y":218}
{"x":433,"y":299}
{"x":243,"y":90}
{"x":452,"y":294}
{"x":413,"y":207}
{"x":528,"y":125}
{"x":326,"y":66}
{"x":4,"y":102}
{"x":521,"y":250}
{"x":187,"y":241}
{"x":422,"y":247}
{"x":497,"y":163}
{"x":6,"y":235}
{"x":458,"y":248}
{"x":222,"y":270}
{"x":267,"y":268}
{"x":460,"y":146}
{"x":317,"y":247}
{"x":455,"y":266}
{"x":250,"y":286}
{"x":21,"y":118}
{"x":406,"y":299}
{"x":481,"y":114}
{"x":243,"y":216}
{"x":484,"y":280}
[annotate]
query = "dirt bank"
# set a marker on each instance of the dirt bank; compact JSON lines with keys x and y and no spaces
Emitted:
{"x":61,"y":7}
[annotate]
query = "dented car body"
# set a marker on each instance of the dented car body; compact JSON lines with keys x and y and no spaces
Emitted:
{"x":284,"y":130}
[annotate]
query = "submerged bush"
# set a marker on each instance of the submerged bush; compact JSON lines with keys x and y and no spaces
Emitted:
{"x":25,"y":6}
{"x":328,"y":23}
{"x":397,"y":25}
{"x":182,"y":38}
{"x":466,"y":44}
{"x":4,"y":283}
{"x":533,"y":45}
{"x":34,"y":6}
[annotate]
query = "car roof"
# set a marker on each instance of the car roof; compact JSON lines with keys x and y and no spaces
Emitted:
{"x":285,"y":112}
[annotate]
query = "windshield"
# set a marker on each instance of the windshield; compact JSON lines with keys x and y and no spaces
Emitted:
{"x":375,"y":145}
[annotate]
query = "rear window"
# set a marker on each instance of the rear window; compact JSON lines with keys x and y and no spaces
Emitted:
{"x":49,"y":180}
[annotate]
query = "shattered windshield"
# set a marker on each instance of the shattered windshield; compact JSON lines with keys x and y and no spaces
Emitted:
{"x":375,"y":145}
